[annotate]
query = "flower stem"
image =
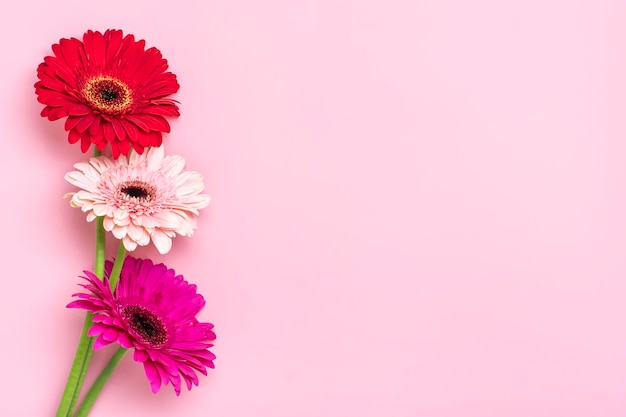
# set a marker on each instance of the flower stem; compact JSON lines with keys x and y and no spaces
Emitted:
{"x":84,"y":349}
{"x":99,"y":383}
{"x":117,"y":266}
{"x":99,"y":259}
{"x":67,"y":400}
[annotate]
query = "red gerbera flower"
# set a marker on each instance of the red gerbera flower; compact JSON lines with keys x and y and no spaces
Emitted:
{"x":112,"y":90}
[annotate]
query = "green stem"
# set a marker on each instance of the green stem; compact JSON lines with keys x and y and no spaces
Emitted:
{"x":84,"y":349}
{"x":67,"y":400}
{"x":114,"y":276}
{"x":99,"y":258}
{"x":85,"y":365}
{"x":117,"y":266}
{"x":99,"y":383}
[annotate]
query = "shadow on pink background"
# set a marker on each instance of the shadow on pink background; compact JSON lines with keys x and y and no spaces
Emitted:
{"x":418,"y":207}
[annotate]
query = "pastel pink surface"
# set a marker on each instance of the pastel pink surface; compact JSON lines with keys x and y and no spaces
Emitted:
{"x":418,"y":207}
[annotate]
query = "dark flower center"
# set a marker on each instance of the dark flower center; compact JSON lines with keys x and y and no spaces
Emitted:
{"x":107,"y":95}
{"x":146,"y":325}
{"x":135,"y":191}
{"x":139,"y":191}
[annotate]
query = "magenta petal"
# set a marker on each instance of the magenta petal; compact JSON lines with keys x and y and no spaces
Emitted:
{"x":188,"y":382}
{"x":96,"y":329}
{"x":140,"y":355}
{"x":100,"y":343}
{"x":165,"y":376}
{"x":176,"y":383}
{"x":153,"y":376}
{"x":125,"y":341}
{"x":84,"y":304}
{"x":152,"y":310}
{"x":110,"y":335}
{"x":191,"y":345}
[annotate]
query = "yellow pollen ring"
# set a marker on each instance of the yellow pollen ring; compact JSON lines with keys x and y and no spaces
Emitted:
{"x":108,"y":95}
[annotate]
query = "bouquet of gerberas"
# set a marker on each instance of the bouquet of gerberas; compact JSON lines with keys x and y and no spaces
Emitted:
{"x":114,"y":95}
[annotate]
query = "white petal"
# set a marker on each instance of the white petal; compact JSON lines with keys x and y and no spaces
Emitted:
{"x":173,"y":165}
{"x":167,"y":219}
{"x":108,"y":224}
{"x":101,"y":209}
{"x":162,"y":242}
{"x":120,"y":214}
{"x":154,"y":157}
{"x":120,"y":233}
{"x":129,"y":244}
{"x":137,"y":233}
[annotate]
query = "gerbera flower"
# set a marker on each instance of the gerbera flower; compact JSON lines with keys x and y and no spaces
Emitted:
{"x":112,"y":90}
{"x":143,"y":198}
{"x":152,"y":310}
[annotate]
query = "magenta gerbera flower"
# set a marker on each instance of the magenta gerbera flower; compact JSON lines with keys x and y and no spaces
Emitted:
{"x":111,"y":89}
{"x":152,"y":310}
{"x":143,"y":198}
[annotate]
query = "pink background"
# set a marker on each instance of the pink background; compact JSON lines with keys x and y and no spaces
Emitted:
{"x":418,"y":207}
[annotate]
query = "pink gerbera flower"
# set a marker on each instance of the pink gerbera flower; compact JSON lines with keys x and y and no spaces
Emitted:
{"x":152,"y":310}
{"x":111,"y":89}
{"x":143,"y":198}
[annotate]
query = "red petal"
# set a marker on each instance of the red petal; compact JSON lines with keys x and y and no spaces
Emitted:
{"x":109,"y":133}
{"x":131,"y":130}
{"x":113,"y":39}
{"x":152,"y":138}
{"x":95,"y":127}
{"x":156,"y":122}
{"x":71,"y":122}
{"x":162,"y":110}
{"x":115,"y":150}
{"x":97,"y":137}
{"x":132,"y":57}
{"x":138,"y":147}
{"x":54,"y":99}
{"x":119,"y":56}
{"x":73,"y":136}
{"x":160,"y":89}
{"x":152,"y":65}
{"x":85,"y":143}
{"x":67,"y":76}
{"x":95,"y":48}
{"x":124,"y":147}
{"x":71,"y":52}
{"x":56,"y":49}
{"x":54,"y":113}
{"x":78,"y":110}
{"x":156,"y":139}
{"x":119,"y":130}
{"x":58,"y":69}
{"x":85,"y":122}
{"x":143,"y":139}
{"x":137,"y":120}
{"x":51,"y":83}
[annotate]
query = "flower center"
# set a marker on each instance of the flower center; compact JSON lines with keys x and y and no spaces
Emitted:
{"x":146,"y":325}
{"x":138,"y":191}
{"x":107,"y":95}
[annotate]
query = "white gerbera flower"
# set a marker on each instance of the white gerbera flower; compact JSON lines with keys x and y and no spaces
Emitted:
{"x":143,"y":198}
